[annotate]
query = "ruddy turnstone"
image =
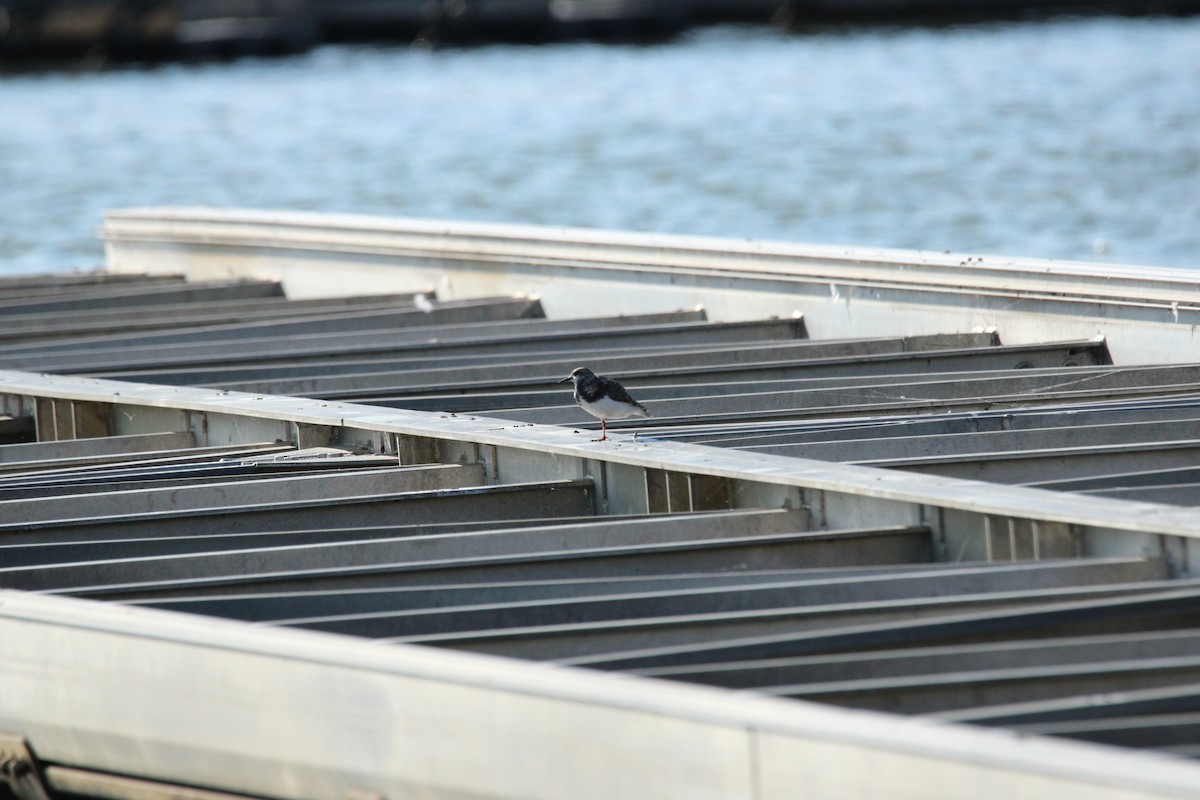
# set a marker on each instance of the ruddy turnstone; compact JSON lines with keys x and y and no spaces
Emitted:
{"x":603,"y":398}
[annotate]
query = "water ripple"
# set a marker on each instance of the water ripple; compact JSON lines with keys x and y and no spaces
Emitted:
{"x":1068,"y":139}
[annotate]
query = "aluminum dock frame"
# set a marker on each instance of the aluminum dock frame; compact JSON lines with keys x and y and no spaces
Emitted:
{"x":392,"y":602}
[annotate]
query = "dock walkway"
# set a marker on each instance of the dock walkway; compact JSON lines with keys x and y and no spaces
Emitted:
{"x":360,"y":502}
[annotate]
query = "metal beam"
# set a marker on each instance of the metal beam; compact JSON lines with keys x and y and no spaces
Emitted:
{"x":505,"y":501}
{"x":1181,"y":494}
{"x":902,"y":446}
{"x":416,"y":552}
{"x":576,"y":643}
{"x":442,"y":622}
{"x":1055,"y":462}
{"x":18,"y":471}
{"x":577,"y":533}
{"x":901,"y":426}
{"x":123,"y":296}
{"x":302,"y":356}
{"x":241,"y":494}
{"x":839,"y":491}
{"x":99,"y":445}
{"x":263,"y":606}
{"x":1167,"y":732}
{"x":843,"y":291}
{"x":57,"y":283}
{"x":52,"y":552}
{"x":108,"y":353}
{"x":926,"y":694}
{"x":1163,"y":609}
{"x":634,"y":374}
{"x":744,"y":402}
{"x":27,"y":328}
{"x":603,"y":354}
{"x":932,"y":661}
{"x":126,"y":662}
{"x":1181,"y":698}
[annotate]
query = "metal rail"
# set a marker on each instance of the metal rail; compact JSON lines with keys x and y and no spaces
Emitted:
{"x":1146,"y":314}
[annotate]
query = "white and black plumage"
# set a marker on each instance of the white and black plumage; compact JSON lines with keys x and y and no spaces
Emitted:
{"x":603,"y":398}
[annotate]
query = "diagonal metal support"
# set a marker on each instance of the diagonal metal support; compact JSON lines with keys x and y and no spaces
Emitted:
{"x":19,"y":770}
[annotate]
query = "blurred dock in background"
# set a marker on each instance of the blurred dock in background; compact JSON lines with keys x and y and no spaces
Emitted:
{"x":170,"y":29}
{"x":153,"y":29}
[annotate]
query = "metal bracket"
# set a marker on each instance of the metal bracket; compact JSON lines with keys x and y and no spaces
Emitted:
{"x":19,"y":769}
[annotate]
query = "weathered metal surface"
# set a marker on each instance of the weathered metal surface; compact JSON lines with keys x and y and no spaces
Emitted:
{"x":966,"y":689}
{"x":67,"y":468}
{"x":24,"y":327}
{"x":528,"y":450}
{"x":737,"y":404}
{"x":1146,"y":313}
{"x":26,"y":486}
{"x":599,"y":643}
{"x":1182,"y":698}
{"x":725,"y":600}
{"x":407,"y":554}
{"x":59,"y":283}
{"x":83,"y":448}
{"x":899,"y":663}
{"x":124,"y":296}
{"x":197,"y":345}
{"x":547,"y":499}
{"x":677,"y":368}
{"x":657,"y":738}
{"x":269,"y":491}
{"x":1171,"y":732}
{"x":1161,"y":607}
{"x":1019,"y":466}
{"x":88,"y":783}
{"x":1156,"y":409}
{"x":902,"y":445}
{"x":267,"y":606}
{"x":605,"y":342}
{"x":744,"y":569}
{"x":19,"y":770}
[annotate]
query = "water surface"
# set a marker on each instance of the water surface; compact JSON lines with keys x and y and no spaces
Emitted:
{"x":1074,"y":138}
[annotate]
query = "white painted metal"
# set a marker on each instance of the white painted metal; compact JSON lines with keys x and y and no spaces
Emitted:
{"x":543,"y":452}
{"x":1147,"y":314}
{"x":297,"y":714}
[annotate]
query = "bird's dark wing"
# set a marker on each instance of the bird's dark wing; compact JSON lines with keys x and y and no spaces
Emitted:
{"x":617,"y":392}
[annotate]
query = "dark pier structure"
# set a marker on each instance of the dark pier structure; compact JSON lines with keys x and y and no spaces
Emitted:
{"x":170,"y":29}
{"x":153,"y":29}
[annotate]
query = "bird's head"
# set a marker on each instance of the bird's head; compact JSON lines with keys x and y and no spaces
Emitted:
{"x":577,"y":374}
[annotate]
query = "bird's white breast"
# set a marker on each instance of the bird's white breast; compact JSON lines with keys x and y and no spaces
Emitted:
{"x":607,"y":408}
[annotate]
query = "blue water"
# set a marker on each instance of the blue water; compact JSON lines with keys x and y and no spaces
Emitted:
{"x":1074,"y":138}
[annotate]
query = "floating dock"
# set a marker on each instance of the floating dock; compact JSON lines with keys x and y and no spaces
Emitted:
{"x":293,"y":506}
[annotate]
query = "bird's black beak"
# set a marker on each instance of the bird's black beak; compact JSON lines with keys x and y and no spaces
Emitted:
{"x":564,"y":380}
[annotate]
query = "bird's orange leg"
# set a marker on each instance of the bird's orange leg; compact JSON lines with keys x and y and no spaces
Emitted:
{"x":603,"y":431}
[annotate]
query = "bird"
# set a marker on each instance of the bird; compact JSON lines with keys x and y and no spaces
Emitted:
{"x":603,"y":398}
